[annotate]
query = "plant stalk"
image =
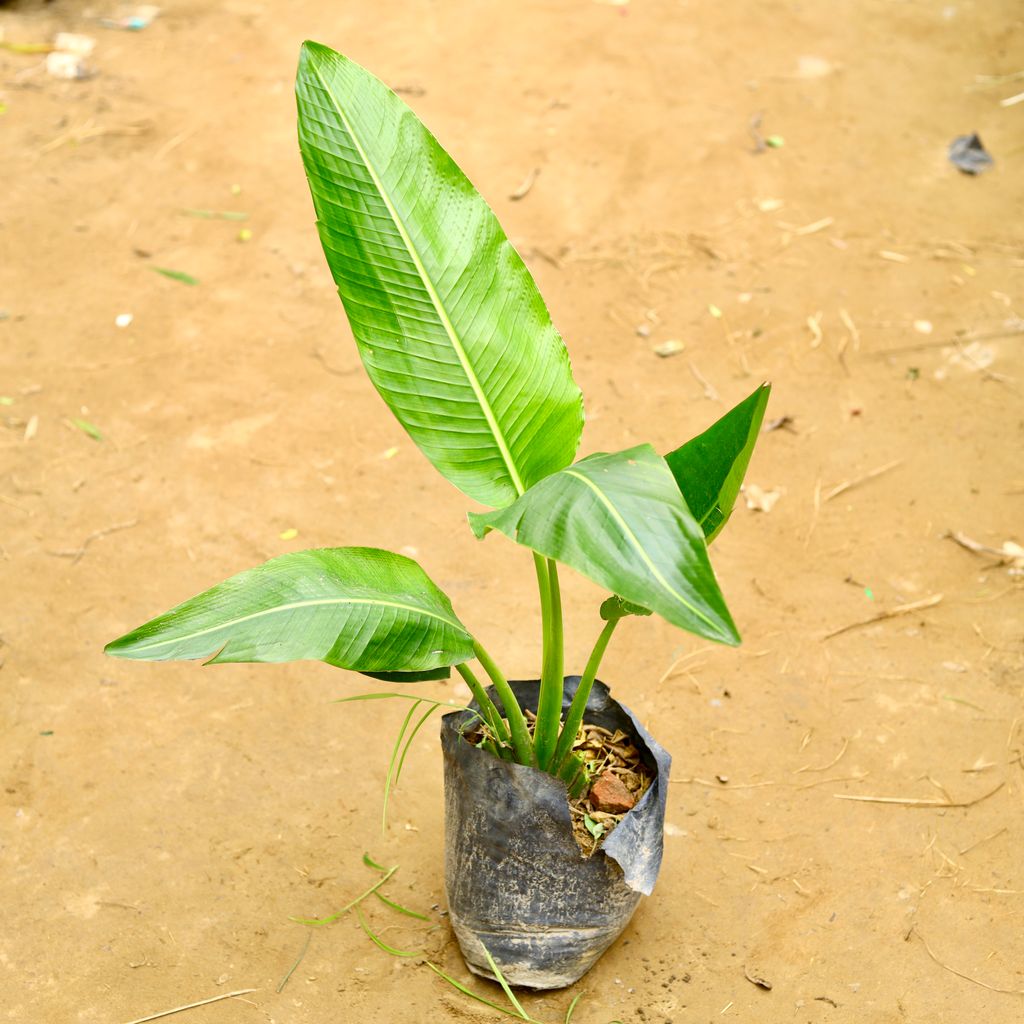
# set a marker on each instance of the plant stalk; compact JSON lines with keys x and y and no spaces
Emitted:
{"x":549,"y":704}
{"x":574,"y":716}
{"x":487,"y":708}
{"x":520,"y":735}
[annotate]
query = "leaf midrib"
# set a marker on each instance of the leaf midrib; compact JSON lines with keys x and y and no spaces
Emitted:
{"x":280,"y":608}
{"x":428,"y":285}
{"x":635,"y":541}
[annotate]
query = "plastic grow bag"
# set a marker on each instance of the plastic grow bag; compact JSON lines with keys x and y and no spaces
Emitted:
{"x":516,"y":880}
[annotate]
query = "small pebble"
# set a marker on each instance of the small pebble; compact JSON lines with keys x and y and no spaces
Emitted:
{"x":669,"y":348}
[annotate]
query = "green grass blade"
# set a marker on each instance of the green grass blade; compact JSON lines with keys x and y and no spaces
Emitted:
{"x":504,"y":984}
{"x":298,"y":960}
{"x":89,"y":429}
{"x":176,"y":275}
{"x":378,"y":941}
{"x":216,"y":214}
{"x":371,"y":863}
{"x":408,"y":743}
{"x":391,"y":766}
{"x":398,"y":906}
{"x":315,"y":922}
{"x":572,"y":1007}
{"x":454,"y":705}
{"x":469,"y":992}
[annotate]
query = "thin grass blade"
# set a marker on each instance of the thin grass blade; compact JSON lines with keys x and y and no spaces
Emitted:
{"x":503,"y":983}
{"x":408,"y":743}
{"x":572,"y":1007}
{"x":378,"y":941}
{"x":469,"y":992}
{"x":391,"y":766}
{"x":398,"y":906}
{"x":316,"y":922}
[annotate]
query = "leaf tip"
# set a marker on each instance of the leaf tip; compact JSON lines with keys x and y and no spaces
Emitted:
{"x":478,"y":524}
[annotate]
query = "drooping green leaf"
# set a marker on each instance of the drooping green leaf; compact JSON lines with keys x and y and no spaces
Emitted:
{"x":595,"y":828}
{"x":620,"y":520}
{"x":709,"y":469}
{"x":448,"y":321}
{"x":356,"y":608}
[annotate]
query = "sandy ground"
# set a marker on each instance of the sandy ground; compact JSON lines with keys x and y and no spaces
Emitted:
{"x":160,"y":824}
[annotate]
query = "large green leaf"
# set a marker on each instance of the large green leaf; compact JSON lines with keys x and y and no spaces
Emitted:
{"x":448,"y":321}
{"x":621,"y":520}
{"x":357,"y":608}
{"x":709,"y":469}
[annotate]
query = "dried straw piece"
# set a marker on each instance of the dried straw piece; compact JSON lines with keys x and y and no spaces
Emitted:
{"x":912,"y":802}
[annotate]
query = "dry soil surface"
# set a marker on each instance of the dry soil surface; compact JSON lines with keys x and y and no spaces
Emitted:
{"x":160,"y":824}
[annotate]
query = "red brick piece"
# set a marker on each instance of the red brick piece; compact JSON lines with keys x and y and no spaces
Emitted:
{"x":610,"y":795}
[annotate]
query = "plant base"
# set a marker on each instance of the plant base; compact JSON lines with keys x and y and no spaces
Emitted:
{"x":517,"y":882}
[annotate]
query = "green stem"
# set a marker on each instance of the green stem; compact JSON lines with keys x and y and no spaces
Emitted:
{"x":574,"y":716}
{"x":520,"y":735}
{"x":487,"y":708}
{"x":549,"y":704}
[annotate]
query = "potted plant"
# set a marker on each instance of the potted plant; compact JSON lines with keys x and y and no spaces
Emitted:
{"x":456,"y":338}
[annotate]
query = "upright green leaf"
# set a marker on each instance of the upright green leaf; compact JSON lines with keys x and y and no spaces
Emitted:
{"x":357,"y":608}
{"x":448,"y":321}
{"x":620,"y":520}
{"x":709,"y":469}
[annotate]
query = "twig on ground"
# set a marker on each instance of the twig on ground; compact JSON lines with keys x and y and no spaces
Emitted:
{"x":816,"y":512}
{"x":192,"y":1006}
{"x":527,"y":184}
{"x":319,"y":356}
{"x":174,"y":142}
{"x":960,"y":974}
{"x":77,"y":554}
{"x":911,"y":802}
{"x":847,"y":485}
{"x":756,"y":979}
{"x":670,"y":671}
{"x":814,"y":326}
{"x":808,"y":229}
{"x":14,"y":504}
{"x":723,"y":785}
{"x":975,"y":845}
{"x":841,"y":778}
{"x":900,"y":609}
{"x":1012,"y":330}
{"x":977,"y":548}
{"x":710,"y":393}
{"x":92,"y":131}
{"x":825,"y":767}
{"x":851,"y":328}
